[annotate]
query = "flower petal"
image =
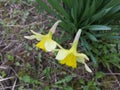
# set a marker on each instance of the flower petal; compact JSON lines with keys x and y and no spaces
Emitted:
{"x":77,"y":36}
{"x":41,"y":45}
{"x":30,"y":37}
{"x":50,"y":45}
{"x":82,"y":57}
{"x":38,"y":35}
{"x":69,"y":60}
{"x":53,"y":28}
{"x":62,"y":54}
{"x":87,"y":68}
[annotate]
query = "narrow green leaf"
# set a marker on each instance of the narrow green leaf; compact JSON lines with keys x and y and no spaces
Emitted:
{"x":113,"y":37}
{"x":44,"y":6}
{"x":98,"y":27}
{"x":56,"y":5}
{"x":66,"y":79}
{"x":92,"y":37}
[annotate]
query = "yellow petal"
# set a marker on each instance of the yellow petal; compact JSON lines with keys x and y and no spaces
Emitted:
{"x":41,"y":45}
{"x":70,"y":60}
{"x":62,"y":54}
{"x":50,"y":45}
{"x":87,"y":68}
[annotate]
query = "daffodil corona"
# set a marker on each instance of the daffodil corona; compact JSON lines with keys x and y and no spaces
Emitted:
{"x":71,"y":57}
{"x":46,"y":42}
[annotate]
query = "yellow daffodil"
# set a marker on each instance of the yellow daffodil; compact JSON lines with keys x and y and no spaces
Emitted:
{"x":46,"y":42}
{"x":71,"y":57}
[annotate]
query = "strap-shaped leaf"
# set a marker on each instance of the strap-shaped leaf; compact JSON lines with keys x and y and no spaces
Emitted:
{"x":113,"y":37}
{"x":98,"y":27}
{"x":92,"y":8}
{"x":85,"y":11}
{"x":99,"y":15}
{"x":47,"y":8}
{"x":114,"y":10}
{"x":111,"y":3}
{"x":88,"y":48}
{"x":56,"y":5}
{"x":92,"y":37}
{"x":69,"y":3}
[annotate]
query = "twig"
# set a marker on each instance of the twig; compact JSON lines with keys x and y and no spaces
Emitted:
{"x":2,"y":86}
{"x":3,"y":67}
{"x":13,"y":88}
{"x":6,"y":47}
{"x":9,"y":87}
{"x":113,"y":73}
{"x":3,"y":79}
{"x":114,"y":76}
{"x":14,"y":71}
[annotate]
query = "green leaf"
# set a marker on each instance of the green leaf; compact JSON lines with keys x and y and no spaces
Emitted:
{"x":66,"y":79}
{"x":56,"y":5}
{"x":114,"y":10}
{"x":92,"y":37}
{"x":98,"y":27}
{"x":99,"y":75}
{"x":47,"y":8}
{"x":47,"y":88}
{"x":26,"y":79}
{"x":113,"y":37}
{"x":82,"y":81}
{"x":68,"y":88}
{"x":93,"y":58}
{"x":10,"y":57}
{"x":99,"y":15}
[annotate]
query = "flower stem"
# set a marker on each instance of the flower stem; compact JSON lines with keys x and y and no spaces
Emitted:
{"x":59,"y":46}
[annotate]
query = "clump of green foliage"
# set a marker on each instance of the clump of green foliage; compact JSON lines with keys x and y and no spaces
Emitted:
{"x":94,"y":17}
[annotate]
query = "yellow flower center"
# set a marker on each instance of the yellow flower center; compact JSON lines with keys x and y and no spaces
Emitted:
{"x":45,"y":38}
{"x":70,"y":60}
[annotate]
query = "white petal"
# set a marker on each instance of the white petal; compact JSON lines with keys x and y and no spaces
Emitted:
{"x":77,"y":36}
{"x":30,"y":37}
{"x":38,"y":35}
{"x":38,"y":38}
{"x":87,"y":68}
{"x":82,"y":56}
{"x":35,"y":32}
{"x":81,"y":60}
{"x":50,"y":45}
{"x":61,"y":54}
{"x":53,"y":28}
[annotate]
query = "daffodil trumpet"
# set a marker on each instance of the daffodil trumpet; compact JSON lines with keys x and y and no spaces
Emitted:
{"x":71,"y":57}
{"x":46,"y":42}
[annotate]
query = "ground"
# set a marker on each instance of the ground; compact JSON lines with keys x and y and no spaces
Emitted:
{"x":25,"y":67}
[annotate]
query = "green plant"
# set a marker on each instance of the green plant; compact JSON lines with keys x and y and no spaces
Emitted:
{"x":10,"y":57}
{"x":27,"y":79}
{"x":108,"y":53}
{"x":94,"y":17}
{"x":94,"y":83}
{"x":63,"y":83}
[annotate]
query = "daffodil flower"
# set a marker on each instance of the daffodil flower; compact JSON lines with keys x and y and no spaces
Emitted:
{"x":46,"y":42}
{"x":71,"y":57}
